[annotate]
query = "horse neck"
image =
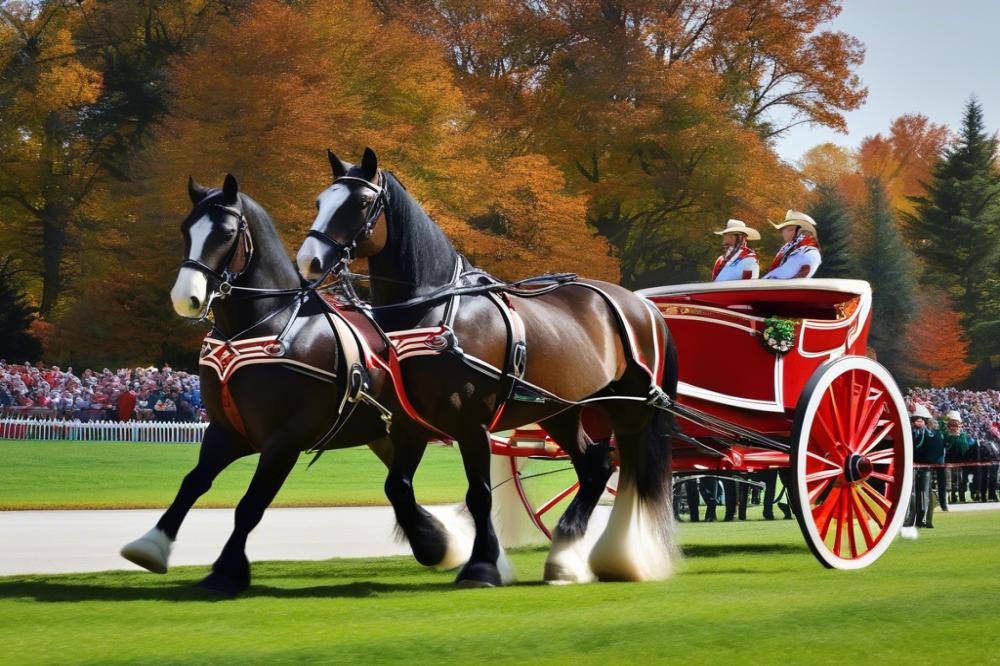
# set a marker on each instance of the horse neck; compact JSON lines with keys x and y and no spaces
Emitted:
{"x":270,"y":268}
{"x":417,"y":258}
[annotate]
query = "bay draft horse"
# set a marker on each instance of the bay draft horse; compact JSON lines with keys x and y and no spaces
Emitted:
{"x":582,"y":342}
{"x":274,"y":377}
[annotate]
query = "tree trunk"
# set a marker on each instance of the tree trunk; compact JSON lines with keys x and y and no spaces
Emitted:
{"x":53,"y":243}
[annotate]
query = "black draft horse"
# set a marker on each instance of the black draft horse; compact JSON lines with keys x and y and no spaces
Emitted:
{"x":583,"y":341}
{"x":283,"y":359}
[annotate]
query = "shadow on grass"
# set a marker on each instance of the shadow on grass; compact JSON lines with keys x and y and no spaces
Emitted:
{"x":59,"y":592}
{"x":723,"y":550}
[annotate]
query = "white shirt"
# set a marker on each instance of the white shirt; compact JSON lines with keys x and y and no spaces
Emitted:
{"x":800,"y":256}
{"x":733,"y":270}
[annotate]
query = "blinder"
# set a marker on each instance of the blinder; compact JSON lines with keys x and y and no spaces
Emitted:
{"x":227,"y":275}
{"x":364,"y":232}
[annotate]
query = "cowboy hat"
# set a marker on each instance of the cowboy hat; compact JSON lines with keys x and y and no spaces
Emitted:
{"x":920,"y":412}
{"x":799,"y":220}
{"x":953,"y":415}
{"x":739,"y":227}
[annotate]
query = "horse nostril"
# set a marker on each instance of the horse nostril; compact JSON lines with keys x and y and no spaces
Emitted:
{"x":315,"y":267}
{"x":196,"y":302}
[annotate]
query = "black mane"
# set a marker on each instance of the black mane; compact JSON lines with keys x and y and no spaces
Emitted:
{"x":417,"y":258}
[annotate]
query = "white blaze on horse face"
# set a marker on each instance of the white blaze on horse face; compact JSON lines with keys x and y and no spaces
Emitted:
{"x":331,"y":199}
{"x":190,"y":292}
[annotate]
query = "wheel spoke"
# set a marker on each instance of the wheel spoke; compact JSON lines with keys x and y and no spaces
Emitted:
{"x":867,"y":503}
{"x":841,"y":510}
{"x":830,"y":446}
{"x":850,"y":523}
{"x":826,"y":461}
{"x":862,"y":520}
{"x":881,"y":500}
{"x":884,"y":477}
{"x":871,"y":442}
{"x":838,"y":420}
{"x":824,"y":474}
{"x":823,"y":513}
{"x":818,"y":490}
{"x":883,"y":457}
{"x":867,"y":428}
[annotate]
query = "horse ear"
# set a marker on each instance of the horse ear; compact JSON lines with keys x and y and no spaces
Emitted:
{"x":196,"y":191}
{"x":230,"y":188}
{"x":339,"y":168}
{"x":369,"y":164}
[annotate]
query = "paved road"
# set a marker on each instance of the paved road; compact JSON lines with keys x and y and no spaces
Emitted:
{"x":74,"y":541}
{"x":42,"y":542}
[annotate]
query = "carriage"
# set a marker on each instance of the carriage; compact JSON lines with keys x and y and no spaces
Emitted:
{"x":776,"y":374}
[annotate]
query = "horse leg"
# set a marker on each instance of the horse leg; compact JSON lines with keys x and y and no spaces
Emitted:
{"x":487,"y":565}
{"x":434,"y":543}
{"x":231,"y":571}
{"x":567,"y":559}
{"x":638,"y":541}
{"x":218,"y":449}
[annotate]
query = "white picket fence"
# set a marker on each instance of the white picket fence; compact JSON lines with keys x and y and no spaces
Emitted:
{"x":102,"y":431}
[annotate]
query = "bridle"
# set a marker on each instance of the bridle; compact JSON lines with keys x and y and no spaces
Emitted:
{"x":363,"y":233}
{"x":224,"y":279}
{"x":221,"y":281}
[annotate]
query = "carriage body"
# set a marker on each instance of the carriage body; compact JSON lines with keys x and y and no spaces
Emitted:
{"x":727,"y":370}
{"x":822,"y":408}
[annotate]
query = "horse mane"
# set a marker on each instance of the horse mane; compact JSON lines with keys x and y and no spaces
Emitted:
{"x":419,"y":252}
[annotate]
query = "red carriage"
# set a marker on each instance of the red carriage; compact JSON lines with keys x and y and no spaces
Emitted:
{"x":775,"y":374}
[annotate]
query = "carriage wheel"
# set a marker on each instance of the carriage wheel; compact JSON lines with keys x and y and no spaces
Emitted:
{"x":852,"y":459}
{"x":527,"y":488}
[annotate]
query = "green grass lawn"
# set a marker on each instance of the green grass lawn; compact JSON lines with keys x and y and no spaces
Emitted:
{"x":101,"y":475}
{"x":747,"y":592}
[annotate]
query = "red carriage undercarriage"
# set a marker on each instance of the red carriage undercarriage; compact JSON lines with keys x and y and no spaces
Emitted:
{"x":821,"y":408}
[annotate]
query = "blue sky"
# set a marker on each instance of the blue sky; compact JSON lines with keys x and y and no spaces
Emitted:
{"x":922,"y":56}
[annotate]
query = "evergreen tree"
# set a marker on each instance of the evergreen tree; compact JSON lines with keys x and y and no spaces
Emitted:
{"x":830,"y":213}
{"x":956,"y":224}
{"x":888,"y":265}
{"x":16,"y":315}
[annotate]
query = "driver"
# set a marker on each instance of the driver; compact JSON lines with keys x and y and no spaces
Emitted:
{"x":799,"y":257}
{"x":737,"y":261}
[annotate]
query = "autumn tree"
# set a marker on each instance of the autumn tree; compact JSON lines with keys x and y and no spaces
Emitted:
{"x":79,"y":91}
{"x":264,"y":98}
{"x":660,"y":113}
{"x":935,"y":341}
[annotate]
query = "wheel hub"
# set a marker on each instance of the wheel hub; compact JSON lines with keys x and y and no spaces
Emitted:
{"x":857,"y":468}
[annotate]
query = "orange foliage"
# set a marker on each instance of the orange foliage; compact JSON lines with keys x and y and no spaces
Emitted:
{"x":937,"y":350}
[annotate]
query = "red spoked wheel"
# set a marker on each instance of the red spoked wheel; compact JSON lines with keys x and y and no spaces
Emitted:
{"x":852,"y":459}
{"x":531,"y":476}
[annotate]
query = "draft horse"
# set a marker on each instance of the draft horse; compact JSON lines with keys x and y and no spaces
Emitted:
{"x":277,"y":373}
{"x":480,"y":355}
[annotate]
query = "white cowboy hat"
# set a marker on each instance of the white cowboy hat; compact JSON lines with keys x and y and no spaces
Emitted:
{"x":920,"y":412}
{"x":799,"y":220}
{"x":953,"y":415}
{"x":739,"y":227}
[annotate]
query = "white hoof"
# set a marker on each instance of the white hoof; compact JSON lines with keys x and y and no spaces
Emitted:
{"x":505,"y":568}
{"x":567,"y":562}
{"x":460,"y":534}
{"x":633,"y":546}
{"x":909,"y":533}
{"x":150,"y":551}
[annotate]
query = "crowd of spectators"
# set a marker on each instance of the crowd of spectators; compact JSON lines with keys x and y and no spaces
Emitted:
{"x":973,"y":438}
{"x":980,"y":410}
{"x":161,"y":394}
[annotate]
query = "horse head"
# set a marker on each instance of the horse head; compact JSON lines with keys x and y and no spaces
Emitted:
{"x":218,"y":247}
{"x":347,"y":214}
